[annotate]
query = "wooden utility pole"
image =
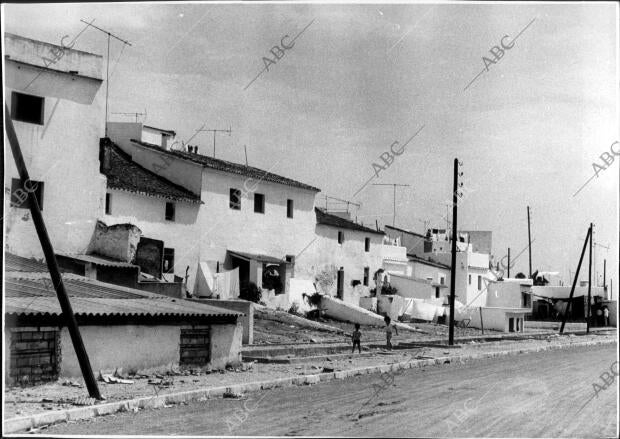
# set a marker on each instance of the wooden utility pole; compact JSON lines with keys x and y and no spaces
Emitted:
{"x":589,"y":279}
{"x":394,"y":185}
{"x":529,"y":239}
{"x":52,"y":264}
{"x":453,"y":260}
{"x":572,"y":290}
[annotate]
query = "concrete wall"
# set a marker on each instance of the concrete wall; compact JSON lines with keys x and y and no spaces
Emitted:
{"x":117,"y":241}
{"x":147,"y":213}
{"x":170,"y":289}
{"x":63,"y":153}
{"x":346,"y":312}
{"x":413,"y":243}
{"x":409,"y":287}
{"x":127,"y":346}
{"x":508,"y":293}
{"x":496,"y":318}
{"x":247,"y":308}
{"x":325,"y":256}
{"x":226,"y":345}
{"x":423,"y":271}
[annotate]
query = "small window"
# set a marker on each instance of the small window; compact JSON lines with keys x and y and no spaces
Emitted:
{"x":168,"y":260}
{"x":259,"y":203}
{"x":367,"y":244}
{"x":27,"y":108}
{"x":366,"y":275}
{"x":235,"y":199}
{"x":289,"y":208}
{"x":437,"y":293}
{"x":19,"y":193}
{"x":442,"y":280}
{"x":108,"y":206}
{"x":340,"y":237}
{"x":479,"y":282}
{"x":470,"y":279}
{"x":169,"y":211}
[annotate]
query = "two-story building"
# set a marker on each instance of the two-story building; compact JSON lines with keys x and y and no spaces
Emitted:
{"x":250,"y":219}
{"x":52,"y":93}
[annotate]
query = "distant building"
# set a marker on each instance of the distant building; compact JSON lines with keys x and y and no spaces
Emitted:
{"x":53,"y":96}
{"x":481,"y":241}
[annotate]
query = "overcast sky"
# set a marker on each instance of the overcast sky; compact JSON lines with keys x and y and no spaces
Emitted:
{"x":363,"y":76}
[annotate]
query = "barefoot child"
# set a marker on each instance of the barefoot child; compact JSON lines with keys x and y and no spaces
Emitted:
{"x":388,"y":331}
{"x":356,"y":337}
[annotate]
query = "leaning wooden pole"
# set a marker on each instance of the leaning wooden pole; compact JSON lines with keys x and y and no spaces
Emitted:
{"x":453,"y":259}
{"x":52,"y":264}
{"x":588,"y":310}
{"x":572,"y":290}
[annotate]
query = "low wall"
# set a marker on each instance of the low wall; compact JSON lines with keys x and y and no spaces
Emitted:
{"x":226,"y":345}
{"x":496,"y":318}
{"x":349,"y":313}
{"x":368,"y":303}
{"x":243,"y":306}
{"x":128,"y":346}
{"x":170,"y":289}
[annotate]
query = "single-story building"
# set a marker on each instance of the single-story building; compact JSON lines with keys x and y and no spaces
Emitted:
{"x":121,"y":328}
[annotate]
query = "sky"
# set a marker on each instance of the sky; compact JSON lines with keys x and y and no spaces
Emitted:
{"x":360,"y":77}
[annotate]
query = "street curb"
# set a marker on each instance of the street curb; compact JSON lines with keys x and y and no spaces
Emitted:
{"x":48,"y":418}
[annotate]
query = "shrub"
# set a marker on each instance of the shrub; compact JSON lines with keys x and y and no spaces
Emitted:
{"x":250,"y":292}
{"x":313,"y":299}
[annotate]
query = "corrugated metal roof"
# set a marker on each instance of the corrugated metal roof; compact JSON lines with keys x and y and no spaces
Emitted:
{"x":18,"y":263}
{"x":93,"y":298}
{"x":98,"y":260}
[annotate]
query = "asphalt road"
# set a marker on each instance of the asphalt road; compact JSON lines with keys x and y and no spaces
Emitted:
{"x":530,"y":395}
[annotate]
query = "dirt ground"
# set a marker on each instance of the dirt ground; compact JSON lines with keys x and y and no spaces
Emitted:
{"x":531,"y":395}
{"x":54,"y":396}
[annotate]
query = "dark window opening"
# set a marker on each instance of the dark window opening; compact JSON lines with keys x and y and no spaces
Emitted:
{"x":235,"y":199}
{"x":169,"y":211}
{"x":27,"y":108}
{"x":470,"y":279}
{"x":108,"y":201}
{"x":479,"y":282}
{"x":34,"y":357}
{"x":168,"y":260}
{"x":367,"y":244}
{"x":195,"y":347}
{"x":340,"y":284}
{"x":289,"y":208}
{"x":366,"y":275}
{"x":442,"y":280}
{"x":437,"y":293}
{"x":340,"y":237}
{"x":19,"y":193}
{"x":259,"y":203}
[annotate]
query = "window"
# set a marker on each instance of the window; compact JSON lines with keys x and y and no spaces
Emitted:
{"x":235,"y":199}
{"x":470,"y":279}
{"x":108,"y":207}
{"x":19,"y":193}
{"x":437,"y":293}
{"x":366,"y":275}
{"x":168,"y":260}
{"x":259,"y":203}
{"x":289,"y":208}
{"x":340,"y":237}
{"x":442,"y":280}
{"x":169,"y":211}
{"x":27,"y":108}
{"x":195,"y":347}
{"x":367,"y":244}
{"x":340,"y":283}
{"x":479,"y":282}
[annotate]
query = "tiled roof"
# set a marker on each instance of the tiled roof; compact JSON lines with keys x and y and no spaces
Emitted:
{"x":260,"y":258}
{"x":126,"y":175}
{"x":233,"y":168}
{"x":98,"y":260}
{"x":327,"y":219}
{"x":421,"y":260}
{"x":404,"y":231}
{"x":93,"y":298}
{"x":19,"y":263}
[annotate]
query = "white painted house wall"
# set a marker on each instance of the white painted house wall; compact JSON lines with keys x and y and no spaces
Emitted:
{"x":148,"y":214}
{"x":63,"y":153}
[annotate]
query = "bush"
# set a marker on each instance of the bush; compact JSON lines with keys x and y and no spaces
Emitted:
{"x":251,"y":292}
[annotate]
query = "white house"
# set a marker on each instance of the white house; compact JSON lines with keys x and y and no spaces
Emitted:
{"x":343,"y":254}
{"x":53,"y":95}
{"x":163,"y":211}
{"x":250,"y":219}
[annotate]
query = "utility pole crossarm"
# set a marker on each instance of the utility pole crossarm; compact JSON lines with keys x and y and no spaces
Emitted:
{"x":394,"y":185}
{"x":214,"y":131}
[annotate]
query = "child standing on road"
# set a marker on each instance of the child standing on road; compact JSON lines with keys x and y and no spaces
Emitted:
{"x":357,"y":337}
{"x":388,"y":331}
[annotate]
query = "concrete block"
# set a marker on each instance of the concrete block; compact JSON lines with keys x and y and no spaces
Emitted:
{"x":41,"y":419}
{"x":252,"y":387}
{"x":17,"y":424}
{"x":341,"y":374}
{"x":80,"y":413}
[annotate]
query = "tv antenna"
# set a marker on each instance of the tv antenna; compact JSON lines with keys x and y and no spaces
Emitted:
{"x":107,"y":71}
{"x":394,"y":186}
{"x":134,"y":115}
{"x":229,"y":131}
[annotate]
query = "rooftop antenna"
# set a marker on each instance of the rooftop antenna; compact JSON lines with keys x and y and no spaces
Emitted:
{"x":134,"y":115}
{"x":394,"y":185}
{"x":246,"y":154}
{"x":229,"y":131}
{"x":107,"y":70}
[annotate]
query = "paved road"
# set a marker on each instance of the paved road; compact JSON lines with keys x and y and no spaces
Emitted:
{"x":529,"y":395}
